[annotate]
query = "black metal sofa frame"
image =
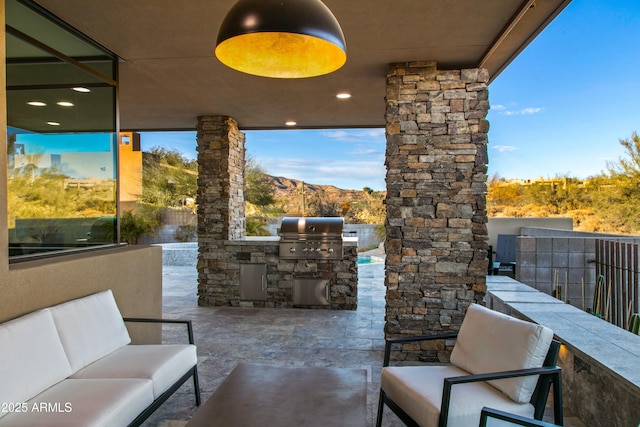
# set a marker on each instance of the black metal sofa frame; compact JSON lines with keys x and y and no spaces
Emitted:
{"x":193,"y":372}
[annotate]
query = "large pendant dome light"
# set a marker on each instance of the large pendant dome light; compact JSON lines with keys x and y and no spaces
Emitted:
{"x":281,"y":39}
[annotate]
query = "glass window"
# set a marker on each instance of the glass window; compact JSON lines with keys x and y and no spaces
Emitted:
{"x":61,"y":136}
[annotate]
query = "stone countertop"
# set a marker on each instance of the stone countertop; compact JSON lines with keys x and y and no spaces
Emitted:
{"x":610,"y":346}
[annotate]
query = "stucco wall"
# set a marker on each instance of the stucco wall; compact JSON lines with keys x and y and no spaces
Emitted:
{"x":134,"y":274}
{"x":497,"y":226}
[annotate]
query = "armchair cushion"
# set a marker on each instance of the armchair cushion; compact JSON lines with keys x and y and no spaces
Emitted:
{"x":490,"y":341}
{"x":418,"y":391}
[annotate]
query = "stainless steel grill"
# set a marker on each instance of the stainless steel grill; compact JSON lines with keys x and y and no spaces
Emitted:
{"x":311,"y":238}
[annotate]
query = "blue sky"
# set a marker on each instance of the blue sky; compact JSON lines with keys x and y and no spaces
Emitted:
{"x":559,"y":109}
{"x":563,"y":105}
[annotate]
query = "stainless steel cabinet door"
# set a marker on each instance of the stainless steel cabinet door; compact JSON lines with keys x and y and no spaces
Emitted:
{"x":311,"y":292}
{"x":253,"y":282}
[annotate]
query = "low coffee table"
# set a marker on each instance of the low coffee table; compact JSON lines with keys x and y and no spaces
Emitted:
{"x":280,"y":396}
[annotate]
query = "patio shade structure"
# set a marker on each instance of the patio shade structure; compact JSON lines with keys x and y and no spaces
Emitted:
{"x":169,"y":75}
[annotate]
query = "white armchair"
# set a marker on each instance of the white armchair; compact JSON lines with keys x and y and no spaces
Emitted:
{"x":497,"y":361}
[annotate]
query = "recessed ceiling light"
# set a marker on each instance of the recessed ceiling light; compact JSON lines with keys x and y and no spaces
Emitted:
{"x":65,"y":104}
{"x":81,"y":89}
{"x":291,"y":123}
{"x":343,"y":95}
{"x":53,"y":123}
{"x":36,"y":103}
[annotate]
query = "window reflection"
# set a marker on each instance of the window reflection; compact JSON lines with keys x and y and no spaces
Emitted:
{"x":62,"y":136}
{"x":62,"y":191}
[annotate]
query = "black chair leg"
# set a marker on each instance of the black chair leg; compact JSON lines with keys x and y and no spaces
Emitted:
{"x":196,"y":385}
{"x":558,"y":411}
{"x":380,"y":409}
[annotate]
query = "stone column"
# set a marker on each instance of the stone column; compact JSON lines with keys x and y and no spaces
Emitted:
{"x":436,"y":244}
{"x":221,"y":163}
{"x":221,"y":209}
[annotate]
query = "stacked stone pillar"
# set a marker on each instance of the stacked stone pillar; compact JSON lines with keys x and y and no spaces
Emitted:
{"x":436,"y":244}
{"x":221,"y":163}
{"x":221,"y":207}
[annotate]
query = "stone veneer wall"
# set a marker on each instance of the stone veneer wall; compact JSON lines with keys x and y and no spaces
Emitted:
{"x":220,"y":199}
{"x":342,"y":276}
{"x":222,"y":246}
{"x":221,"y":163}
{"x":436,"y":245}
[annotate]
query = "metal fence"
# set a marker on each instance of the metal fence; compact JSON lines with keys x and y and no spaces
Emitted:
{"x":615,"y":296}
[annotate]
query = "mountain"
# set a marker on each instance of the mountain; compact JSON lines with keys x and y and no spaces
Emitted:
{"x":290,"y":192}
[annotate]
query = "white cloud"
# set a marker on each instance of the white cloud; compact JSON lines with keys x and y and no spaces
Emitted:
{"x":505,"y":148}
{"x":343,"y":173}
{"x":356,"y":135}
{"x":498,"y":107}
{"x":364,"y":152}
{"x":523,"y":112}
{"x":531,"y":110}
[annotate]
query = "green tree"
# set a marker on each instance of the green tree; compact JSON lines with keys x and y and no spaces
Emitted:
{"x":318,"y":204}
{"x":45,"y":194}
{"x":168,"y":179}
{"x":562,"y":194}
{"x":259,"y":189}
{"x":174,"y":158}
{"x":371,"y":211}
{"x":629,"y":165}
{"x":617,"y":202}
{"x":134,"y":225}
{"x":256,"y":226}
{"x":259,"y":197}
{"x":503,"y":196}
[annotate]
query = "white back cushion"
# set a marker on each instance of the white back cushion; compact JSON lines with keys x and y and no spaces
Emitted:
{"x":32,"y":357}
{"x":89,"y":328}
{"x":489,"y":341}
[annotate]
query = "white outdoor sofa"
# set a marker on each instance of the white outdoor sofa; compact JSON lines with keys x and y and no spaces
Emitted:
{"x":72,"y":365}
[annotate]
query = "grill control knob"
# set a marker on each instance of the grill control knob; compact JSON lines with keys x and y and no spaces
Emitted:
{"x":318,"y":250}
{"x":330,"y":250}
{"x":292,"y":250}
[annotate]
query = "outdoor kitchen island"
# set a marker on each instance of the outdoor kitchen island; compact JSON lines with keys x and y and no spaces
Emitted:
{"x":250,"y":272}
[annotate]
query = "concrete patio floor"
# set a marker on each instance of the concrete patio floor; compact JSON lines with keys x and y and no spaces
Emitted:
{"x":226,"y":336}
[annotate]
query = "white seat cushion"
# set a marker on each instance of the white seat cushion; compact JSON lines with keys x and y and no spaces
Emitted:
{"x":82,"y":403}
{"x":489,"y":341}
{"x":32,"y":357}
{"x":162,"y":364}
{"x":90,"y":328}
{"x":418,"y":391}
